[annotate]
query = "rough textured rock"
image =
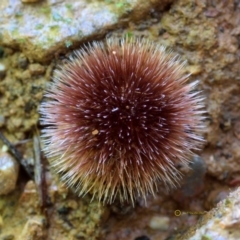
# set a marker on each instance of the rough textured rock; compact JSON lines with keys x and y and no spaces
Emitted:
{"x":222,"y":222}
{"x":66,"y":217}
{"x":192,"y":183}
{"x":33,"y":229}
{"x":20,"y":94}
{"x":206,"y":34}
{"x":44,"y":29}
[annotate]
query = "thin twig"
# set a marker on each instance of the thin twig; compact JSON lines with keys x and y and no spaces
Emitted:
{"x":39,"y":175}
{"x":17,"y":155}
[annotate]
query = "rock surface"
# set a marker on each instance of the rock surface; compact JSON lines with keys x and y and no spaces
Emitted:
{"x":33,"y":229}
{"x":47,"y":28}
{"x":204,"y":33}
{"x":222,"y":222}
{"x":8,"y":173}
{"x":66,"y":217}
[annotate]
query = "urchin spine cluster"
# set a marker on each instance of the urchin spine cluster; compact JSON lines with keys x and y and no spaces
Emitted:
{"x":119,"y":117}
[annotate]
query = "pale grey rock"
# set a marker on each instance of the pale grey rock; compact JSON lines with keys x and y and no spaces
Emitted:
{"x":159,"y":223}
{"x":221,"y":223}
{"x":8,"y":173}
{"x":33,"y":229}
{"x":42,"y":30}
{"x":3,"y":71}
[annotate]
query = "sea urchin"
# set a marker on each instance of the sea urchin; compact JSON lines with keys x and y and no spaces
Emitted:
{"x":118,"y":119}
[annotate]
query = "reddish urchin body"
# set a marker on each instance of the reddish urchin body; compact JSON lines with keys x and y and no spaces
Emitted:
{"x":118,"y":119}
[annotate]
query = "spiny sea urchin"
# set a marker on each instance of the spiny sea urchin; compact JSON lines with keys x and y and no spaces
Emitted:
{"x":119,"y":117}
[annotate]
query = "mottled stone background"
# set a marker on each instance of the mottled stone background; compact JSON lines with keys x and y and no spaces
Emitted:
{"x":36,"y":36}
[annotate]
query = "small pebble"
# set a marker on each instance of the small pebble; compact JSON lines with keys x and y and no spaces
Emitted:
{"x":3,"y":71}
{"x":72,"y":204}
{"x":80,"y":236}
{"x":8,"y":173}
{"x":159,"y":223}
{"x":33,"y":229}
{"x":194,"y":69}
{"x":22,"y":61}
{"x":25,"y":75}
{"x":2,"y":120}
{"x":16,"y":122}
{"x":4,"y":148}
{"x":36,"y":69}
